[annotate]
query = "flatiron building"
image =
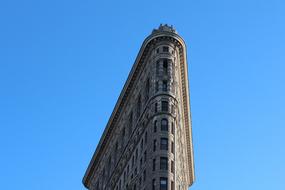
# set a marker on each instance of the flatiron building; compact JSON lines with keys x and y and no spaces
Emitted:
{"x":147,"y":143}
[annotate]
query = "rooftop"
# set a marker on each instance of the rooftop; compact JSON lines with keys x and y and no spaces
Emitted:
{"x":165,"y":28}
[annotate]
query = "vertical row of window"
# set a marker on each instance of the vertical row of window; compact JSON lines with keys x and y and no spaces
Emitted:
{"x":134,"y":166}
{"x":164,"y":72}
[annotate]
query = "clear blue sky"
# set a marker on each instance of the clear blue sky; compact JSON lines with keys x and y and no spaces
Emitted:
{"x":64,"y":63}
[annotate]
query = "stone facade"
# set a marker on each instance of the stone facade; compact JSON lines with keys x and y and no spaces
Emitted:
{"x":147,"y":143}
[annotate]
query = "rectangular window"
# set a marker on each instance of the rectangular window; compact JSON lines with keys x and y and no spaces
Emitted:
{"x":155,"y":126}
{"x":165,"y":49}
{"x":157,"y":68}
{"x":172,"y":147}
{"x":164,"y":144}
{"x":145,"y":156}
{"x":164,"y":124}
{"x":165,"y":66}
{"x":153,"y":164}
{"x":164,"y":86}
{"x":137,"y":154}
{"x":154,"y":145}
{"x":144,"y":175}
{"x":147,"y":86}
{"x":172,"y":128}
{"x":155,"y":107}
{"x":163,"y":163}
{"x":163,"y":183}
{"x":153,"y":184}
{"x":139,"y":106}
{"x":164,"y":106}
{"x":141,"y":145}
{"x":130,"y":123}
{"x":172,"y":185}
{"x":172,"y":166}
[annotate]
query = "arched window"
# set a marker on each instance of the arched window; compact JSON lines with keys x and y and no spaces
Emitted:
{"x":164,"y":125}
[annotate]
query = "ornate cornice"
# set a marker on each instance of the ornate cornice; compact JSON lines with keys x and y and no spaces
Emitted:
{"x":155,"y":37}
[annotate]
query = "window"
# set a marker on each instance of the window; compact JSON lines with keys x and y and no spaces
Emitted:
{"x":153,"y":164}
{"x":163,"y":183}
{"x":130,"y":123}
{"x":139,"y":105}
{"x":124,"y":176}
{"x":172,"y":128}
{"x":141,"y":145}
{"x":163,"y":163}
{"x":133,"y":161}
{"x":165,"y":49}
{"x":165,"y":66}
{"x":164,"y":144}
{"x":172,"y":109}
{"x":172,"y":147}
{"x":144,"y":175}
{"x":172,"y":166}
{"x":156,"y":86}
{"x":164,"y":125}
{"x":164,"y":106}
{"x":145,"y":137}
{"x":109,"y":166}
{"x":136,"y":157}
{"x":123,"y":136}
{"x":104,"y":175}
{"x":154,"y":145}
{"x":153,"y":184}
{"x":155,"y":107}
{"x":157,"y":50}
{"x":116,"y":151}
{"x":172,"y":185}
{"x":157,"y":68}
{"x":155,"y":126}
{"x":144,"y":156}
{"x":164,"y":85}
{"x":147,"y":86}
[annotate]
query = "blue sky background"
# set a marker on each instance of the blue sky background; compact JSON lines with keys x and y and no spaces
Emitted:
{"x":64,"y":63}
